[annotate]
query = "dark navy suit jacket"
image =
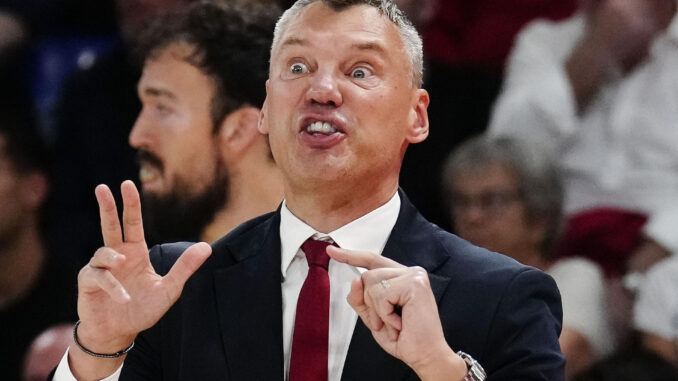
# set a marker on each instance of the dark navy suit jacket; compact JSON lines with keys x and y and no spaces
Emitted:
{"x":227,"y":324}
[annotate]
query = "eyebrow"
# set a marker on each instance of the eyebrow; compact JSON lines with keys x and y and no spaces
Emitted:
{"x":374,"y":46}
{"x":294,"y":41}
{"x":156,"y":92}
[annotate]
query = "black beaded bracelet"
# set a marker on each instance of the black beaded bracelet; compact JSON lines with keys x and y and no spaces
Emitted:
{"x":94,"y":354}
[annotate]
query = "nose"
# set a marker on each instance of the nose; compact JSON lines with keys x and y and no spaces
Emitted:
{"x":470,"y":214}
{"x":140,"y":136}
{"x":324,"y":90}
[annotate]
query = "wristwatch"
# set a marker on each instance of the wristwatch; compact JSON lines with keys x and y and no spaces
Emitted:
{"x":475,"y":371}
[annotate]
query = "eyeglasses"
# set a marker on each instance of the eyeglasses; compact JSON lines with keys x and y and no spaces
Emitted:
{"x":493,"y":202}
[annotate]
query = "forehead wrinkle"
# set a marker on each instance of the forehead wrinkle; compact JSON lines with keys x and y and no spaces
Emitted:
{"x":374,"y":46}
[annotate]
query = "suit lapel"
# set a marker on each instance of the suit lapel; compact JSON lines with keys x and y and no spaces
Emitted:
{"x":410,"y":244}
{"x":252,"y":339}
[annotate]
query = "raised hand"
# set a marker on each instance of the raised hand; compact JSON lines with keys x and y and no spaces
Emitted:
{"x":618,"y":36}
{"x":624,"y":29}
{"x":119,"y":292}
{"x":397,"y":304}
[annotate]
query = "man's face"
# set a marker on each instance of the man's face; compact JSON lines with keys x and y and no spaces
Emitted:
{"x":18,"y":198}
{"x":488,"y":210}
{"x":340,"y":104}
{"x":181,"y":172}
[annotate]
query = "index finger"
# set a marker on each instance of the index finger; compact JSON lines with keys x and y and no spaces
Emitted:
{"x":131,"y":213}
{"x":364,"y":259}
{"x":108,"y":214}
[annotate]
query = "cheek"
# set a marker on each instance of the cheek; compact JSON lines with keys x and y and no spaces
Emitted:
{"x":12,"y":199}
{"x":196,"y":161}
{"x":514,"y":227}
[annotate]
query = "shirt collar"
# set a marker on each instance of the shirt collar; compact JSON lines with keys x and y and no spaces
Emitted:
{"x":367,"y":233}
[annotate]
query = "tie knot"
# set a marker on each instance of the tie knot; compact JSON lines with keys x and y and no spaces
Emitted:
{"x":316,"y":253}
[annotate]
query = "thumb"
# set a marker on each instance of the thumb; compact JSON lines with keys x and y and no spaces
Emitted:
{"x":189,"y":261}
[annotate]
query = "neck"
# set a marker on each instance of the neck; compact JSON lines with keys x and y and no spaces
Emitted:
{"x":252,"y":193}
{"x":532,"y":257}
{"x":332,"y":206}
{"x":21,"y":260}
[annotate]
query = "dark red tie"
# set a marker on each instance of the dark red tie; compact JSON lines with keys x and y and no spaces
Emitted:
{"x":312,"y":322}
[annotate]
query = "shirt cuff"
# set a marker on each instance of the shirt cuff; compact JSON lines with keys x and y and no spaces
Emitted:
{"x":63,"y":371}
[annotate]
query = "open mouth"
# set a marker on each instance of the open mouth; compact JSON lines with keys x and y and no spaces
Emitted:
{"x":323,"y":128}
{"x":321,"y":132}
{"x":148,"y":173}
{"x":150,"y":169}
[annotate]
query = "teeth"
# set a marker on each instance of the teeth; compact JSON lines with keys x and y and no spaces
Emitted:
{"x":148,"y":173}
{"x":320,"y":127}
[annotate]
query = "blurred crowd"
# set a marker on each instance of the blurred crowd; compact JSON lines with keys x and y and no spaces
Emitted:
{"x":554,"y":140}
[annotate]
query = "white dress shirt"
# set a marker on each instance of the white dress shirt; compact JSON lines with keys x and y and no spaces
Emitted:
{"x":585,"y":302}
{"x":367,"y":233}
{"x":655,"y":309}
{"x":621,"y":150}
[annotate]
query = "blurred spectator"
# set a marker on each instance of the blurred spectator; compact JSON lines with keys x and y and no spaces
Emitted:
{"x":205,"y":168}
{"x":656,"y":310}
{"x":98,"y":108}
{"x":507,"y":197}
{"x":419,"y":12}
{"x":46,"y":351}
{"x":36,"y":288}
{"x":12,"y":31}
{"x":599,"y":90}
{"x":465,"y":45}
{"x":480,"y":33}
{"x":46,"y":18}
{"x":631,"y":365}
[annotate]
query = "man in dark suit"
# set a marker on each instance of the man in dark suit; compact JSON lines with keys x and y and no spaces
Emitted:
{"x":343,"y":103}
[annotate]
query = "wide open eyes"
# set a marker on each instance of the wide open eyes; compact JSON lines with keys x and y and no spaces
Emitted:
{"x":298,"y":68}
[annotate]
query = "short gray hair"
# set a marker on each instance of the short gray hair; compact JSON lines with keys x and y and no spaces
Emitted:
{"x":539,"y":179}
{"x":408,"y":33}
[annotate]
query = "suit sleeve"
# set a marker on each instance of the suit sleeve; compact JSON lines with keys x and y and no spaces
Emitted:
{"x":523,"y":338}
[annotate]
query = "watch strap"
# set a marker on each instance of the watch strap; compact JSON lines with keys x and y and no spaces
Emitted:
{"x":475,"y":370}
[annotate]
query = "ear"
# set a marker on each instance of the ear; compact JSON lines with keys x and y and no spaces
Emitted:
{"x":36,"y":189}
{"x":262,"y":125}
{"x":238,"y":131}
{"x":418,"y":130}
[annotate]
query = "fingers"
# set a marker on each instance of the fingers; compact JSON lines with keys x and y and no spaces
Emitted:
{"x":185,"y":266}
{"x":106,"y":258}
{"x":108,"y":214}
{"x":356,"y":299}
{"x":379,"y":295}
{"x":361,"y":259}
{"x":97,"y":275}
{"x":374,"y":304}
{"x":384,"y":289}
{"x":131,"y":215}
{"x":107,"y":282}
